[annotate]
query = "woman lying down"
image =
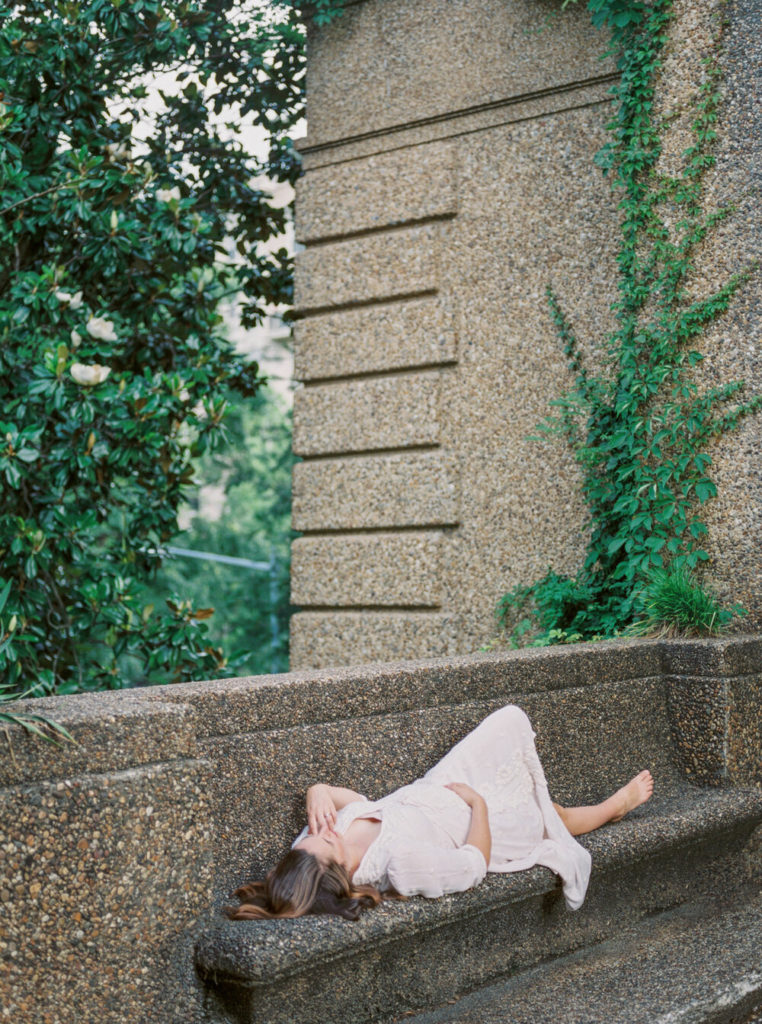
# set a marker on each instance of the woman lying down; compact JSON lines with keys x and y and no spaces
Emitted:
{"x":484,"y":807}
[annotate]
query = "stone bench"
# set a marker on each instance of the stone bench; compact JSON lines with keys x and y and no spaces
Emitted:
{"x":118,"y":852}
{"x":592,"y":735}
{"x":420,"y":953}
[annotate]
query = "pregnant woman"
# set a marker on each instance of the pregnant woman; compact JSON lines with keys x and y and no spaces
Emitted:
{"x":484,"y":807}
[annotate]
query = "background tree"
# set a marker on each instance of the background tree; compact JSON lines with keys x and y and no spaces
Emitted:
{"x":253,"y":471}
{"x":114,"y":368}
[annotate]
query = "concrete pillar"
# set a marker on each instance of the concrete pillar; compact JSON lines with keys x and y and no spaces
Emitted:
{"x":448,"y":178}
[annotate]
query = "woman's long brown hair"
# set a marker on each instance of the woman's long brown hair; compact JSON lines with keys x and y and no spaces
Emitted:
{"x":299,"y":884}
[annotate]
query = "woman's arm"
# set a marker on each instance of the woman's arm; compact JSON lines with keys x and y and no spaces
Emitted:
{"x":479,"y":834}
{"x":324,"y":801}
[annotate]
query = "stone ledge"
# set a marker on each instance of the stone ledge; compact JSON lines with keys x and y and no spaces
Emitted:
{"x":246,"y":703}
{"x":113,"y":731}
{"x":258,"y":703}
{"x":724,"y":656}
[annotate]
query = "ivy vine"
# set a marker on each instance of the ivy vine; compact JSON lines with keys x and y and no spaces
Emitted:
{"x":640,"y":428}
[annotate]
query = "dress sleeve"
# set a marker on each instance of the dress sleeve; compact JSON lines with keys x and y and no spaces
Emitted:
{"x":422,"y":869}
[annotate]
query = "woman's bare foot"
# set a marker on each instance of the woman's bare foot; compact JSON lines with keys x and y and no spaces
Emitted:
{"x":635,"y":793}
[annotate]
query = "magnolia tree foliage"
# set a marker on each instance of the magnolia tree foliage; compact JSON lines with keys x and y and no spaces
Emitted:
{"x":114,"y":254}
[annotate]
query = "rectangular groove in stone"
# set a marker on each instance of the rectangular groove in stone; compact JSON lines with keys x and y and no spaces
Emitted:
{"x":419,"y":489}
{"x":370,"y":268}
{"x":384,"y":64}
{"x":322,"y":639}
{"x":456,"y":124}
{"x":376,"y":338}
{"x":364,"y":415}
{"x":382,"y":191}
{"x":377,"y":570}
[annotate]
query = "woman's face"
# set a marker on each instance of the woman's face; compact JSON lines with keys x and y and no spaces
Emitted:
{"x":326,"y":845}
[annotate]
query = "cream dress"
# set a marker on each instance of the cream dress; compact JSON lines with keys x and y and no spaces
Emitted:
{"x":421,"y":848}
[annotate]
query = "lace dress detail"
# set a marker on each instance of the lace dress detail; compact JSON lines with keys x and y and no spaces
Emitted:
{"x":513,"y":786}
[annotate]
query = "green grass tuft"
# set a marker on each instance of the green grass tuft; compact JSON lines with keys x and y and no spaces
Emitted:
{"x":675,"y":604}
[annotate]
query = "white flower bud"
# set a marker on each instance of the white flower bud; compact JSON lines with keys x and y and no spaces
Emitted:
{"x":76,"y":339}
{"x":76,"y":300}
{"x":63,"y":296}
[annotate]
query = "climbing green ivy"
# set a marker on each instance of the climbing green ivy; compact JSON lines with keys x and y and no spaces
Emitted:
{"x":641,"y":427}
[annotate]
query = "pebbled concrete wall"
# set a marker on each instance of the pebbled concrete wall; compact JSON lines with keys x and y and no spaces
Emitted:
{"x":112,"y":851}
{"x":448,"y":178}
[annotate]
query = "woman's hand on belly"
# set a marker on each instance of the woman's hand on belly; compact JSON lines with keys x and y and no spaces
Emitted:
{"x":465,"y":792}
{"x":479,"y":834}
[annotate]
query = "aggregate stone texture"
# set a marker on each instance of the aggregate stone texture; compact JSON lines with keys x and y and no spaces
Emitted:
{"x":520,"y":504}
{"x":647,"y":974}
{"x":322,"y":638}
{"x":356,"y":416}
{"x":101,"y":879}
{"x":112,"y":731}
{"x":259,"y":703}
{"x":510,"y":110}
{"x":529,"y":209}
{"x":717,"y":727}
{"x":385,"y":190}
{"x":376,"y":491}
{"x":391,"y":336}
{"x":731,"y":345}
{"x":386,"y":63}
{"x":403,"y":569}
{"x":377,"y":266}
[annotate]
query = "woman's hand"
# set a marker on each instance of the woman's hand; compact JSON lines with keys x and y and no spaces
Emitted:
{"x":321,"y":810}
{"x":479,"y":834}
{"x":465,"y":792}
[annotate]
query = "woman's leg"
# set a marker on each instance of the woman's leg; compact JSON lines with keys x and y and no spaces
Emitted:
{"x":585,"y":819}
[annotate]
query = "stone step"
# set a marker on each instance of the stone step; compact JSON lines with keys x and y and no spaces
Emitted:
{"x":686,"y":843}
{"x":697,"y":964}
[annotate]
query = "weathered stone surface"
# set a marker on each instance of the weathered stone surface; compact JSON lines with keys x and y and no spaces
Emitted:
{"x":694,"y":963}
{"x":532,"y":210}
{"x":385,"y":64}
{"x":375,"y":491}
{"x":384,"y":412}
{"x":717,"y":727}
{"x":113,"y":731}
{"x":370,"y":268}
{"x":102,"y":877}
{"x":514,"y":110}
{"x":731,"y":345}
{"x":261,"y":703}
{"x":322,"y":638}
{"x":382,"y":191}
{"x":398,"y":570}
{"x":418,"y":332}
